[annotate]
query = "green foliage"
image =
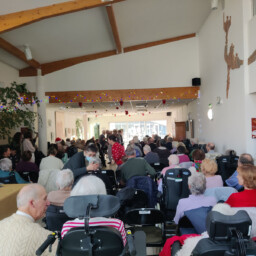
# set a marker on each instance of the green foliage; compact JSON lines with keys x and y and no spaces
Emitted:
{"x":14,"y":113}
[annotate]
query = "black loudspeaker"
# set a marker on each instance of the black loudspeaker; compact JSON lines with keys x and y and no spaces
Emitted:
{"x":196,"y":81}
{"x":168,"y":113}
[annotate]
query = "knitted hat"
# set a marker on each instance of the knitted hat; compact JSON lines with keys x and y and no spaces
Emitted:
{"x":58,"y":140}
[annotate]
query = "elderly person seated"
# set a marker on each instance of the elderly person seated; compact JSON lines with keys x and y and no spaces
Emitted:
{"x":91,"y":185}
{"x":181,"y":152}
{"x":19,"y":234}
{"x":244,"y":159}
{"x":173,"y":163}
{"x":209,"y":168}
{"x":163,"y":152}
{"x":211,"y":154}
{"x":6,"y":171}
{"x":197,"y":186}
{"x":51,"y":161}
{"x":150,"y":156}
{"x":198,"y":156}
{"x":246,"y":178}
{"x":25,"y":165}
{"x":97,"y":172}
{"x":64,"y":182}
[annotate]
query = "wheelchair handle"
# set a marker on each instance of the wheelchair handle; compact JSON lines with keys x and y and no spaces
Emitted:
{"x":130,"y":242}
{"x":49,"y":241}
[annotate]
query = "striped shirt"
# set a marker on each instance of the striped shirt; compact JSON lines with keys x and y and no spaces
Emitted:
{"x":98,"y":221}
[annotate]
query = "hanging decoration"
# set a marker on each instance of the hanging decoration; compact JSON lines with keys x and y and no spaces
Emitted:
{"x":232,"y":59}
{"x":80,"y":104}
{"x":117,"y":107}
{"x":121,"y":102}
{"x":164,"y":101}
{"x":126,"y":112}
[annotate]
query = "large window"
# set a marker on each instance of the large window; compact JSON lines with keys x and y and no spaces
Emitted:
{"x":141,"y":129}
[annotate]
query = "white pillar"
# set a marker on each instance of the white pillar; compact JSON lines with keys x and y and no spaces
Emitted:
{"x":40,"y":93}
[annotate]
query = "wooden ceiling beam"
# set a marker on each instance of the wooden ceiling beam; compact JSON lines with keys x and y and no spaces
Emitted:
{"x":18,"y":53}
{"x":18,"y":19}
{"x":155,"y":43}
{"x":112,"y":21}
{"x":50,"y":67}
{"x":172,"y":93}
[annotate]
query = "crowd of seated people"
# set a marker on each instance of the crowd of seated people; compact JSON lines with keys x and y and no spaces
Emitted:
{"x":78,"y":172}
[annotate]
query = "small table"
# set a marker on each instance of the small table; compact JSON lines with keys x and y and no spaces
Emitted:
{"x":8,"y":194}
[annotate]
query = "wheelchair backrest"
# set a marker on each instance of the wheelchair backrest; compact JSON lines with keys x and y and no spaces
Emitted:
{"x":227,"y":165}
{"x":175,"y":187}
{"x":55,"y":217}
{"x":106,"y":241}
{"x":102,"y":205}
{"x":144,"y":216}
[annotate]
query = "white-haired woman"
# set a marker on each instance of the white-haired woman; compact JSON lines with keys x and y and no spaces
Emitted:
{"x":91,"y":185}
{"x":197,"y":186}
{"x":64,"y":182}
{"x":6,"y":170}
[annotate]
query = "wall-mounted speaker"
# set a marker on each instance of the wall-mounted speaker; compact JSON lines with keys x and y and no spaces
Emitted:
{"x":196,"y":81}
{"x":168,"y":113}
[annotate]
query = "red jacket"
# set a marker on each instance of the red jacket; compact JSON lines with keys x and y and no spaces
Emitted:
{"x":246,"y":198}
{"x":117,"y":153}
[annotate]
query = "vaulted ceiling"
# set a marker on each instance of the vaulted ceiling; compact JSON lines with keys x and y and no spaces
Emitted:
{"x":96,"y":32}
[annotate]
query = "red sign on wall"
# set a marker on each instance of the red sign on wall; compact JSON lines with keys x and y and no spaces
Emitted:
{"x":254,"y":128}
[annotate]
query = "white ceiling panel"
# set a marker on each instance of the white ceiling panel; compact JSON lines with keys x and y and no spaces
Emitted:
{"x":12,"y":61}
{"x":65,"y":36}
{"x":142,"y":21}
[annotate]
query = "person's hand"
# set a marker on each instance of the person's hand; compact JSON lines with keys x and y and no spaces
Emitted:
{"x":92,"y":167}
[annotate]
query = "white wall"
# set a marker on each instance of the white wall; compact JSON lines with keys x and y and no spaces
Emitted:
{"x":230,"y":126}
{"x":169,"y":65}
{"x":68,"y":122}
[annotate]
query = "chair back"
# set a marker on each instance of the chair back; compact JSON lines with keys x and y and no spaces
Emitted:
{"x":227,"y":165}
{"x":175,"y":187}
{"x":103,"y":241}
{"x":144,"y":216}
{"x":55,"y":217}
{"x":146,"y":184}
{"x":29,"y":176}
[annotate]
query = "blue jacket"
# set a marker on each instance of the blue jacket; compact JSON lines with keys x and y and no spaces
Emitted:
{"x":4,"y":174}
{"x":146,"y":184}
{"x":232,"y":181}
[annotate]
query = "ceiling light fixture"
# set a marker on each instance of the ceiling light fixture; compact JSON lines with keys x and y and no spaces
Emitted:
{"x":27,"y":52}
{"x":214,"y":4}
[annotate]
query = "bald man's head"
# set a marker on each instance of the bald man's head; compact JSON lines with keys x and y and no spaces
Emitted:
{"x":32,"y":199}
{"x":245,"y":159}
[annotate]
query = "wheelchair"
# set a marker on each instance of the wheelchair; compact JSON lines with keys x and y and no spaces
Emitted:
{"x":228,"y":236}
{"x":175,"y":187}
{"x":94,"y":240}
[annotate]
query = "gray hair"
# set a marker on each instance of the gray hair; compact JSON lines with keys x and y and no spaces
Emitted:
{"x":136,"y":139}
{"x":95,"y":160}
{"x":197,"y":183}
{"x":147,"y":148}
{"x":246,"y":159}
{"x":5,"y":164}
{"x":130,"y":151}
{"x":64,"y":179}
{"x":27,"y":193}
{"x":89,"y":185}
